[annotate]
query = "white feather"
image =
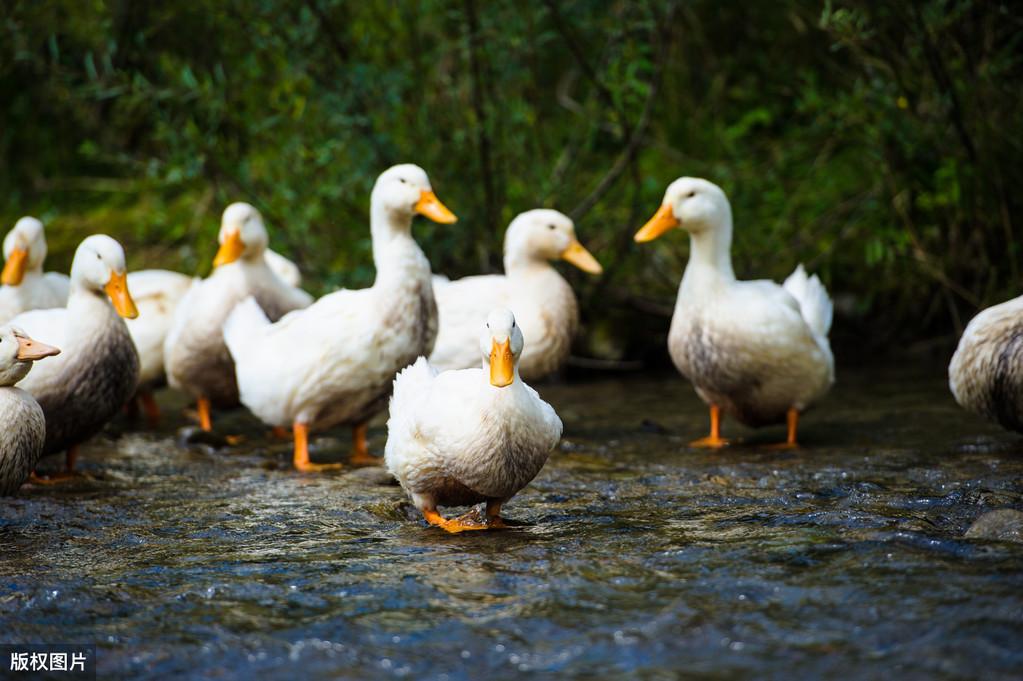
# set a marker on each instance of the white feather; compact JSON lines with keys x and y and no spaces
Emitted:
{"x":813,"y":299}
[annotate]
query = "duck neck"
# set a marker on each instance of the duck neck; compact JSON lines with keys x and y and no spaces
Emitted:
{"x":710,"y":256}
{"x":396,"y":255}
{"x":518,"y":264}
{"x":88,"y":309}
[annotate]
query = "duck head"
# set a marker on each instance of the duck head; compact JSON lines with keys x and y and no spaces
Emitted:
{"x":501,"y":345}
{"x":691,"y":203}
{"x":544,"y":234}
{"x":24,"y":251}
{"x":17,"y":352}
{"x":99,"y":266}
{"x":403,"y":191}
{"x":242,"y":235}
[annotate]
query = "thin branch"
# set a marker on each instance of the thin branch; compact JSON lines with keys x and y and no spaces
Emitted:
{"x":479,"y":108}
{"x":580,"y":57}
{"x":359,"y":106}
{"x":621,"y":164}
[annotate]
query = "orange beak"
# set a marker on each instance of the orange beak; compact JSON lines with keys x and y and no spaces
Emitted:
{"x":663,"y":220}
{"x":230,"y":250}
{"x":117,"y":289}
{"x":14,"y":268}
{"x":577,"y":254}
{"x":502,"y":364}
{"x":430,"y":206}
{"x":30,"y":350}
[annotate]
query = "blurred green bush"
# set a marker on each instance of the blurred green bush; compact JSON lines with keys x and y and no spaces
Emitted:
{"x":877,"y":142}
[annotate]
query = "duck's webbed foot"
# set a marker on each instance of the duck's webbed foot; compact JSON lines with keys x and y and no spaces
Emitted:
{"x":494,"y":519}
{"x":714,"y":440}
{"x":360,"y":449}
{"x":68,"y":474}
{"x":301,"y":457}
{"x":471,"y":520}
{"x":710,"y":442}
{"x":792,"y":422}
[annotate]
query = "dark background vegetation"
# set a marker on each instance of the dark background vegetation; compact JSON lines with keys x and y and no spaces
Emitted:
{"x":879,"y":143}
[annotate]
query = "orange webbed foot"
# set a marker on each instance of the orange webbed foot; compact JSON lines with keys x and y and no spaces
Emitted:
{"x":467,"y":522}
{"x":710,"y":442}
{"x":714,"y":440}
{"x":301,"y":457}
{"x":363,"y":459}
{"x":60,"y":478}
{"x":309,"y":467}
{"x":360,"y":448}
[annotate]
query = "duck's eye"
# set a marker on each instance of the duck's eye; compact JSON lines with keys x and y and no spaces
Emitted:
{"x":402,"y":180}
{"x":98,"y":257}
{"x":551,"y":227}
{"x":691,"y":194}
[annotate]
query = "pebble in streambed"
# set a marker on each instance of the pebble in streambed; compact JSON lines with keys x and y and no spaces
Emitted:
{"x":1005,"y":524}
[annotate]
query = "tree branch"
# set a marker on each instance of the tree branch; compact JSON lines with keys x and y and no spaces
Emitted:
{"x":661,"y":40}
{"x":479,"y":109}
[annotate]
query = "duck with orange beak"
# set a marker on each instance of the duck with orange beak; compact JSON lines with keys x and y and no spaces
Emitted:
{"x":24,"y":284}
{"x":22,"y":423}
{"x":542,"y":300}
{"x":754,"y":350}
{"x":333,"y":363}
{"x":195,"y":357}
{"x":470,"y":436}
{"x":97,"y":371}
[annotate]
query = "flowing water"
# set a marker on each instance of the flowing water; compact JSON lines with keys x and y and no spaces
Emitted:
{"x":637,"y":557}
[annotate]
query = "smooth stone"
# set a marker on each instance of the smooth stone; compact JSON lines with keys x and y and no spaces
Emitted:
{"x":1005,"y":524}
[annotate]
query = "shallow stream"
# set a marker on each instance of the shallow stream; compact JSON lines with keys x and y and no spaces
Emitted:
{"x":637,"y":557}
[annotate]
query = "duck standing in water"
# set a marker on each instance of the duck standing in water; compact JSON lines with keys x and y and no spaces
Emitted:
{"x":156,"y":294}
{"x":754,"y":350}
{"x":83,"y":388}
{"x":543,"y":302}
{"x":333,"y":362}
{"x":196,"y":358}
{"x":22,"y":423}
{"x":469,"y":436}
{"x":986,"y":372}
{"x":25,"y":285}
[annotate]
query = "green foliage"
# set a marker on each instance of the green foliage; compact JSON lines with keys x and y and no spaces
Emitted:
{"x":876,"y":142}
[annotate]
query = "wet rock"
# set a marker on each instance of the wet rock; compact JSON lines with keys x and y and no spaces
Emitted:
{"x":653,"y":427}
{"x":1005,"y":524}
{"x":193,"y":435}
{"x":372,"y":475}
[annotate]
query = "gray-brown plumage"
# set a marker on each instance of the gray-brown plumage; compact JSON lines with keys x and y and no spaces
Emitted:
{"x":986,"y":372}
{"x":22,"y":424}
{"x":197,"y":360}
{"x":87,"y":385}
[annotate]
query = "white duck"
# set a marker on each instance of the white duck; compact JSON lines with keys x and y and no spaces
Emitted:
{"x":754,"y":350}
{"x":25,"y":285}
{"x":285,"y":270}
{"x":469,"y":436}
{"x":986,"y":372}
{"x":82,"y":389}
{"x":196,"y":359}
{"x":22,"y":424}
{"x":543,"y":302}
{"x":156,"y":294}
{"x":333,"y":362}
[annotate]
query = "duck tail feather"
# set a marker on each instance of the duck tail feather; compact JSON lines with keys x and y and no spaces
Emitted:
{"x":814,"y":302}
{"x":410,"y":379}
